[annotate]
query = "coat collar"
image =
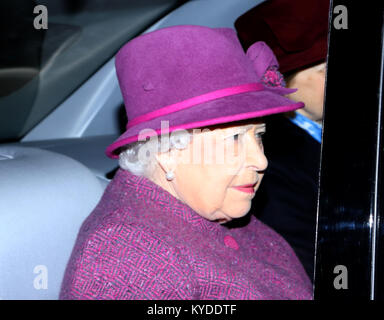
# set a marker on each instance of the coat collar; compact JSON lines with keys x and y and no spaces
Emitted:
{"x":154,"y":196}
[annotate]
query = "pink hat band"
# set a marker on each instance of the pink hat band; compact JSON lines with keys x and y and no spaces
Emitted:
{"x":251,"y":87}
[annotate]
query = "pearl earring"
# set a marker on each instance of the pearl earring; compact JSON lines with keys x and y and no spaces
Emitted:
{"x":170,"y":176}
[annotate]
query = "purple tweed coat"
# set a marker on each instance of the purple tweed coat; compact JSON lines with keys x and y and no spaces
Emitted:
{"x":142,"y":243}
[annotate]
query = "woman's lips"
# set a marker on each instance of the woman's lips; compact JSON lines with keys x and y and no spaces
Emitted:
{"x":247,"y":188}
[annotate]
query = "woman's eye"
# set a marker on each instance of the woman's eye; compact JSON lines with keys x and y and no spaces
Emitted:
{"x":259,"y":135}
{"x":236,"y":136}
{"x":259,"y":138}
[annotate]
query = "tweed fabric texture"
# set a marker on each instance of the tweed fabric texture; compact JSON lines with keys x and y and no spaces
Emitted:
{"x":142,"y":243}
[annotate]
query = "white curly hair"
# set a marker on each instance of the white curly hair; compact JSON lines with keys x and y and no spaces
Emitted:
{"x":139,"y":157}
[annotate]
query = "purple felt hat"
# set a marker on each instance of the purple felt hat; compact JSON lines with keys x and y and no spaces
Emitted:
{"x":193,"y":77}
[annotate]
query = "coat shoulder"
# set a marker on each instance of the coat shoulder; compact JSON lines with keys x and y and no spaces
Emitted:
{"x":118,"y":259}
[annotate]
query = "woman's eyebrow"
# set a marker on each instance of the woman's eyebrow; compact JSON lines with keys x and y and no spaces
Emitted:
{"x":243,"y":129}
{"x":260,"y":126}
{"x":234,"y":131}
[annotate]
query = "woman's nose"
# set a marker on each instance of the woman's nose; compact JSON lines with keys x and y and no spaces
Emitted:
{"x":255,"y":156}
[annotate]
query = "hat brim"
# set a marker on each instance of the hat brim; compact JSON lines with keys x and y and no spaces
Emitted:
{"x":292,"y":62}
{"x":225,"y":110}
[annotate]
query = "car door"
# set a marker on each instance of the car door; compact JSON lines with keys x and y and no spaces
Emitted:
{"x":349,"y":261}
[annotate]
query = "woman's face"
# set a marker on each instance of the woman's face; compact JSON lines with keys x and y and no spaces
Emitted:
{"x":220,"y":171}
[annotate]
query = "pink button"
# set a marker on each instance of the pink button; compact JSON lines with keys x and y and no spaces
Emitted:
{"x":230,"y":242}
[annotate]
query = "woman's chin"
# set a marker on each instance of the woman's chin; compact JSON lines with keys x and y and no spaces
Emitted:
{"x":234,"y":216}
{"x":223,"y":220}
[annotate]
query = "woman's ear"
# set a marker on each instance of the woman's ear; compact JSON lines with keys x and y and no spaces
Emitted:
{"x":166,"y":160}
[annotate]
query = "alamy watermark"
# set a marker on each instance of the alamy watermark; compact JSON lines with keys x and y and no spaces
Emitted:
{"x":340,"y":21}
{"x":341,"y":280}
{"x":40,"y":281}
{"x":204,"y":146}
{"x":41,"y":20}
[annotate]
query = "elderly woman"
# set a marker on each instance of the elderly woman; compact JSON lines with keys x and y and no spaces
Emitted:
{"x":191,"y":160}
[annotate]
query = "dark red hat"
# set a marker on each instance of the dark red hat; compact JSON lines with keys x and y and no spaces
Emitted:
{"x":296,"y":30}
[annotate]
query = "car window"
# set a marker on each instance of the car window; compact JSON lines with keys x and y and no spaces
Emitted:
{"x":39,"y":68}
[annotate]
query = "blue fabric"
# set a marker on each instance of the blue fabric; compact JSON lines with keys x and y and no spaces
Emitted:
{"x":314,"y":129}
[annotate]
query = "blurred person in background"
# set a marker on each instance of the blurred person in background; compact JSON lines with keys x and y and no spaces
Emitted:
{"x":296,"y":31}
